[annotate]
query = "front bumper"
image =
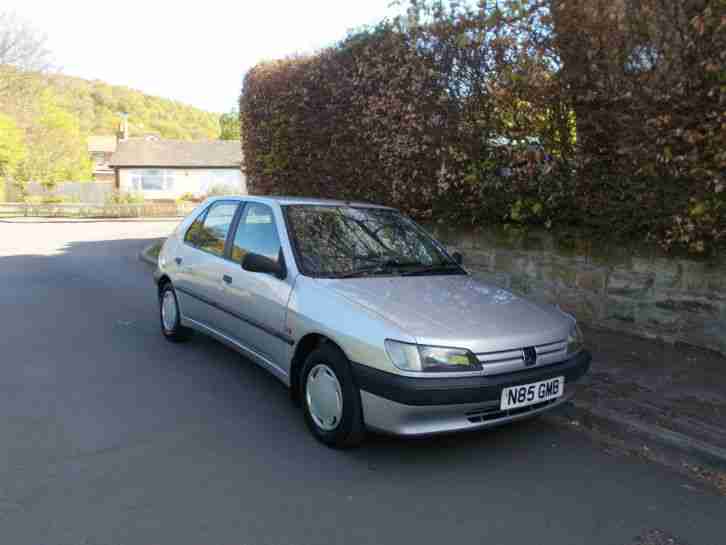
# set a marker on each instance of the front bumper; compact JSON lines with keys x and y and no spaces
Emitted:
{"x":419,"y":406}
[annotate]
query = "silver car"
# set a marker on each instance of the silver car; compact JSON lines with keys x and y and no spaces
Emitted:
{"x":365,"y":317}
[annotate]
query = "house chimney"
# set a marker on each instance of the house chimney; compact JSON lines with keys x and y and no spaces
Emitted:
{"x":124,"y":126}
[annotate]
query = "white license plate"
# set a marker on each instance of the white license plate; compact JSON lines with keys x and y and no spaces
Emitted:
{"x":531,"y":394}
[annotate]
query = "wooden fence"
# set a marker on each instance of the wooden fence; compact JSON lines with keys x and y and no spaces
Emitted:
{"x":71,"y":192}
{"x":89,"y":210}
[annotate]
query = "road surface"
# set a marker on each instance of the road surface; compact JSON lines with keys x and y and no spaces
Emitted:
{"x":111,"y":435}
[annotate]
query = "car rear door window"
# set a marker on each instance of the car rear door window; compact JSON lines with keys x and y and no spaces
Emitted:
{"x":209,"y":232}
{"x":256,"y":233}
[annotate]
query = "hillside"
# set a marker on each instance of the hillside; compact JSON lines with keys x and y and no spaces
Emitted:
{"x":45,"y":122}
{"x":97,"y":105}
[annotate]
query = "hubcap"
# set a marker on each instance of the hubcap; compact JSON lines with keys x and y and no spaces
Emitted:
{"x":168,"y":310}
{"x":324,"y":397}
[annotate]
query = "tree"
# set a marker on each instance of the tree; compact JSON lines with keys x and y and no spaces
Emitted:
{"x":12,"y":150}
{"x":23,"y":53}
{"x":57,"y":149}
{"x":229,"y":125}
{"x":12,"y":147}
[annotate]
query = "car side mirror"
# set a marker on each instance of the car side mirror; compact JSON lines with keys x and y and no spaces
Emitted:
{"x":253,"y":262}
{"x":458,"y":258}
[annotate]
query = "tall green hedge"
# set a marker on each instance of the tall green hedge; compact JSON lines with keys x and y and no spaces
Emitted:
{"x":541,"y":112}
{"x":328,"y":126}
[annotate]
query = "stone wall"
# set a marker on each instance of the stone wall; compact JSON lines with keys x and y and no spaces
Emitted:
{"x":628,"y":288}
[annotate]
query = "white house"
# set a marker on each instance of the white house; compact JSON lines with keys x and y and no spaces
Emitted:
{"x":167,"y":169}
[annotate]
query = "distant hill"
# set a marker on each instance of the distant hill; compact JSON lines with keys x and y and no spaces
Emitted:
{"x":45,"y":122}
{"x":97,"y":106}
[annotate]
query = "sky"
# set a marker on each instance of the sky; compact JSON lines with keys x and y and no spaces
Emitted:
{"x":196,"y":51}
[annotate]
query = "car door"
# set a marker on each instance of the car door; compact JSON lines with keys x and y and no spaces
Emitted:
{"x":258,"y":300}
{"x":183,"y":260}
{"x":200,"y":287}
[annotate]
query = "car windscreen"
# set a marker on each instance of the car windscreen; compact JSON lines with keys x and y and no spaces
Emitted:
{"x":347,"y":241}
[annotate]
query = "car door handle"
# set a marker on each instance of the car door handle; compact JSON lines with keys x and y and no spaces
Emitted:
{"x":227,"y":279}
{"x":178,"y":260}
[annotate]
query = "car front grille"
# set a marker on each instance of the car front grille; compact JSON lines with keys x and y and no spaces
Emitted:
{"x":505,"y":361}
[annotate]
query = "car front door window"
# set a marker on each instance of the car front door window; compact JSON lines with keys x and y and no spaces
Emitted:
{"x":256,"y":233}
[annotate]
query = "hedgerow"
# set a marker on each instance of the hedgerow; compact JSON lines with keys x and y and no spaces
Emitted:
{"x":590,"y":113}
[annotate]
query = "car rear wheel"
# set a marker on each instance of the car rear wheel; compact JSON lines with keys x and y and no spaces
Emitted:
{"x":170,"y":316}
{"x":330,"y":399}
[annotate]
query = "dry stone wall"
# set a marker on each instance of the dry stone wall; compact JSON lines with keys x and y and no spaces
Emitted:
{"x":620,"y":287}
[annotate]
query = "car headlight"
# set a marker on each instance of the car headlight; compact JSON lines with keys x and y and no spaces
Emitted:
{"x":575,"y":340}
{"x":432,"y":359}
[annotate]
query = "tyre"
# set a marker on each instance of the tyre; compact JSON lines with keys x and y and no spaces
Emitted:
{"x":330,"y":399}
{"x":170,"y":316}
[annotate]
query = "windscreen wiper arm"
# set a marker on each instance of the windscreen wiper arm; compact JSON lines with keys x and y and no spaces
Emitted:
{"x":429,"y":269}
{"x":383,"y":266}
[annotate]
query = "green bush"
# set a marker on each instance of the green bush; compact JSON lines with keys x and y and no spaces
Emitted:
{"x":122,"y":197}
{"x":189,"y":197}
{"x":51,"y":199}
{"x":222,"y":190}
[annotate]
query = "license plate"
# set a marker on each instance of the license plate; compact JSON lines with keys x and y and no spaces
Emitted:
{"x":531,"y":394}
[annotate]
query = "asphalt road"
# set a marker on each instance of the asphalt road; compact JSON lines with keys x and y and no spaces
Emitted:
{"x":111,"y":435}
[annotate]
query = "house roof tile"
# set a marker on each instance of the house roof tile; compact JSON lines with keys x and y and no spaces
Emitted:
{"x":147,"y":152}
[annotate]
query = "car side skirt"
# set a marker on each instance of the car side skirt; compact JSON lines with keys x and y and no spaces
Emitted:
{"x":255,"y":356}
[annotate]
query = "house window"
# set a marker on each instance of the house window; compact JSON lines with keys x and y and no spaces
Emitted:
{"x":224,"y":180}
{"x":152,"y":180}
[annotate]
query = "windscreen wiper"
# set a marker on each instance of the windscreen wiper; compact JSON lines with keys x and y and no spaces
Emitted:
{"x":381,"y":267}
{"x":435,"y":269}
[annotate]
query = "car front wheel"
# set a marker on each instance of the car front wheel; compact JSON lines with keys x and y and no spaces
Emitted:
{"x":330,"y":399}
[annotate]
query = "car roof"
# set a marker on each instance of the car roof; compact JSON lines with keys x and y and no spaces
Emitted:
{"x":282,"y":201}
